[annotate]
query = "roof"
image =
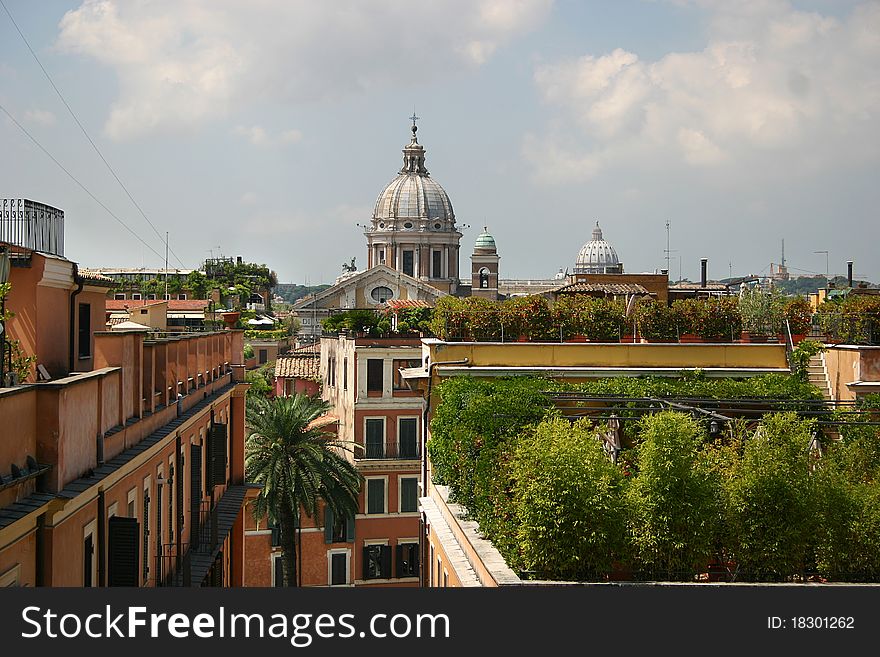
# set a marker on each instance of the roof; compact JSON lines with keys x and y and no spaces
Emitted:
{"x":173,"y":304}
{"x":616,"y":289}
{"x":96,"y":278}
{"x":697,"y":286}
{"x":303,"y":363}
{"x":130,"y":326}
{"x":324,"y":421}
{"x":398,"y":304}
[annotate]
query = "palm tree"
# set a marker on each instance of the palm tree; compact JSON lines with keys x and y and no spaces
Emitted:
{"x":298,"y":466}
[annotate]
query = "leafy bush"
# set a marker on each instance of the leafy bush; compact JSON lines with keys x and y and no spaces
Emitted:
{"x":801,"y":355}
{"x":762,"y":310}
{"x":672,"y":501}
{"x":719,"y":319}
{"x":656,"y":321}
{"x":568,"y":502}
{"x":771,"y":503}
{"x":855,"y":320}
{"x":799,"y":314}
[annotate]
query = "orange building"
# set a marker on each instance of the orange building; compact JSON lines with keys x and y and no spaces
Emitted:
{"x":126,"y":467}
{"x":381,"y":417}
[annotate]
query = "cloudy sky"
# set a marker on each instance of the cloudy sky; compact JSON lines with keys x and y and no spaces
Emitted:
{"x":266,"y":128}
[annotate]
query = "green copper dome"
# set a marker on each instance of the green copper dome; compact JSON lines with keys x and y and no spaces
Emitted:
{"x":485,"y":240}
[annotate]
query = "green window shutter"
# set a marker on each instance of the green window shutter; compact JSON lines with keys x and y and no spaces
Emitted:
{"x":328,"y":525}
{"x":399,"y":558}
{"x":409,"y":495}
{"x":368,"y":572}
{"x":122,"y":551}
{"x":414,"y":558}
{"x":408,"y":444}
{"x":375,"y":439}
{"x":376,"y":496}
{"x":349,"y":529}
{"x":217,"y":446}
{"x":385,"y":560}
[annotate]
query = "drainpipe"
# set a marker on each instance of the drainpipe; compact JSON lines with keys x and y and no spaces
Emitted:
{"x":423,"y":548}
{"x":79,"y":286}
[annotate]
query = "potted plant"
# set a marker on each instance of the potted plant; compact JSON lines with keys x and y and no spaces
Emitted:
{"x":799,"y":314}
{"x":656,"y":321}
{"x":719,"y":320}
{"x":687,"y":319}
{"x":605,"y":320}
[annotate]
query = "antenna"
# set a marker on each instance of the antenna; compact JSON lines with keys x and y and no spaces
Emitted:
{"x":783,"y":252}
{"x":667,"y":245}
{"x":166,"y":264}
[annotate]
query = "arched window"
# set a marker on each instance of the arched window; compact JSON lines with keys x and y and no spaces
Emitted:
{"x":484,"y":277}
{"x":381,"y":294}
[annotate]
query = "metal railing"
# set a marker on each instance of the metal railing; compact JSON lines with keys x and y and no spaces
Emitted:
{"x":405,"y":450}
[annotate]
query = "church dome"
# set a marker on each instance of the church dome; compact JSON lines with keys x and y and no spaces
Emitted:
{"x":485,"y":241}
{"x":413,"y":196}
{"x":597,"y":256}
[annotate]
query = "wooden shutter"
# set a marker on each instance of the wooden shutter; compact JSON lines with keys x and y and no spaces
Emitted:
{"x":195,"y":493}
{"x":122,"y":551}
{"x":409,"y":495}
{"x":408,"y":438}
{"x":367,"y":553}
{"x":88,"y":552}
{"x":375,"y":367}
{"x":146,"y":541}
{"x":400,"y":558}
{"x":385,"y":560}
{"x":414,"y":559}
{"x":217,"y":445}
{"x":159,"y":488}
{"x":375,"y":442}
{"x":349,"y":529}
{"x":328,"y":525}
{"x":375,"y":496}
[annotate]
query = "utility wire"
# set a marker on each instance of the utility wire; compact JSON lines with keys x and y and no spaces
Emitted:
{"x":74,"y":179}
{"x":85,"y":133}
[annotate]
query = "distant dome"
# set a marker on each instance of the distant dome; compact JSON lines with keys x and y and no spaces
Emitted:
{"x":413,"y":195}
{"x":597,"y":256}
{"x":485,"y":241}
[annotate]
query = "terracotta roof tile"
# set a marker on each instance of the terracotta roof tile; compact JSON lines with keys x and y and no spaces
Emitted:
{"x":299,"y":365}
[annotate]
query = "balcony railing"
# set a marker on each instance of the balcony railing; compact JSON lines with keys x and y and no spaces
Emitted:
{"x":404,"y":450}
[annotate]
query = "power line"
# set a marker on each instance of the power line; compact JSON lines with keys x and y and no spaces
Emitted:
{"x":74,"y":179}
{"x":85,"y":133}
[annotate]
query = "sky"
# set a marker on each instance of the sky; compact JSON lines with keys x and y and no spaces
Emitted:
{"x":267,"y":128}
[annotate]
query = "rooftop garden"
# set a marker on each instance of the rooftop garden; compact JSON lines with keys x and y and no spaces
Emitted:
{"x":766,"y":499}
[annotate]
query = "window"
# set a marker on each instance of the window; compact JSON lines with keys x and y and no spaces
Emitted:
{"x":397,"y":365}
{"x":264,"y":356}
{"x":136,"y":296}
{"x":337,"y":529}
{"x":167,"y":297}
{"x":381,"y":294}
{"x":119,"y":296}
{"x":338,"y":568}
{"x":182,"y":297}
{"x":409,"y":494}
{"x":151,"y":297}
{"x":407,"y":559}
{"x":377,"y":562}
{"x":376,"y":495}
{"x":374,"y":429}
{"x":484,"y":277}
{"x":89,"y":560}
{"x":132,"y":497}
{"x":122,"y":551}
{"x":382,"y":256}
{"x":85,"y":330}
{"x":408,"y":263}
{"x":375,"y":379}
{"x":146,"y":538}
{"x":436,"y":264}
{"x":407,"y":438}
{"x":345,"y":373}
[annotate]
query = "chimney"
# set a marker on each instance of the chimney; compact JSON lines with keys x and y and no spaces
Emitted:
{"x":238,"y":260}
{"x":849,"y":272}
{"x":703,"y":263}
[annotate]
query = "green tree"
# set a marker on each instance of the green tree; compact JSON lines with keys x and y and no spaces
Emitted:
{"x":771,"y":502}
{"x":672,"y":501}
{"x":298,"y":467}
{"x":569,"y":502}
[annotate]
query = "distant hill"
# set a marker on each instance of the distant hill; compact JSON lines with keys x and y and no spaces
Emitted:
{"x":292,"y":292}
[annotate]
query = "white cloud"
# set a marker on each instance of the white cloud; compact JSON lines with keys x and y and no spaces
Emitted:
{"x":772,"y":82}
{"x":183,"y":62}
{"x":40,"y":117}
{"x":259,"y":136}
{"x":255,"y":134}
{"x":292,"y":136}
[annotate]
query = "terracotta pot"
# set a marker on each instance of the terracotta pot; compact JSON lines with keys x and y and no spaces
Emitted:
{"x":628,"y":338}
{"x":690,"y":337}
{"x":798,"y":337}
{"x":523,"y":338}
{"x":230,"y":319}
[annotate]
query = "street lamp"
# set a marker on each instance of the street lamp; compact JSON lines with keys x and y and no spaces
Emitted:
{"x":826,"y":263}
